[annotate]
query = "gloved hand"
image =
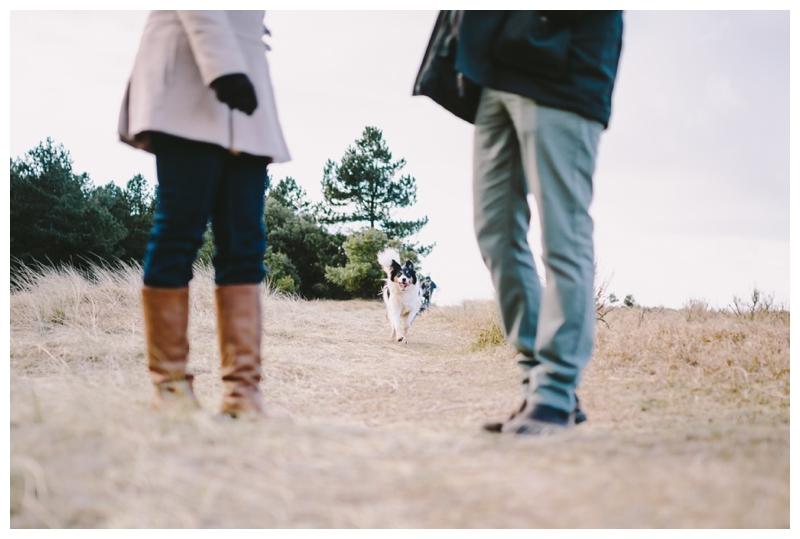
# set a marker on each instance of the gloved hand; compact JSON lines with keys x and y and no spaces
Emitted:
{"x":236,"y":91}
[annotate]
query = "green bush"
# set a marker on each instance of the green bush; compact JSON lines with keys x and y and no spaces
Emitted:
{"x":283,"y":275}
{"x":361,"y":276}
{"x":309,"y":247}
{"x":206,"y":253}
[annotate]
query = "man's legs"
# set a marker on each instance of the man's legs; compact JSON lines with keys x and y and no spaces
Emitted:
{"x":558,"y":151}
{"x":502,"y":217}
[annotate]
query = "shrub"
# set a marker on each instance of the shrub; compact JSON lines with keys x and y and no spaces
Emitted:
{"x":206,"y":253}
{"x":361,"y":275}
{"x":757,"y":303}
{"x":489,"y":336}
{"x":307,"y":245}
{"x":283,"y":275}
{"x":696,"y":309}
{"x":603,"y":301}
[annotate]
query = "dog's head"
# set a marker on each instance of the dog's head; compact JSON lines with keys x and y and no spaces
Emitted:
{"x":404,"y":276}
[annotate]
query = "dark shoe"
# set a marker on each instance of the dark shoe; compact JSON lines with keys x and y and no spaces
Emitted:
{"x":535,"y":427}
{"x":577,"y":417}
{"x":536,"y":420}
{"x":579,"y":414}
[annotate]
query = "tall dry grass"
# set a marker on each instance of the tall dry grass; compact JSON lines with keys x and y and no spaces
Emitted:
{"x":688,"y":420}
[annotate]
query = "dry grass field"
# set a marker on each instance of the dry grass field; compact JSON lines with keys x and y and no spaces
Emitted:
{"x":688,"y":421}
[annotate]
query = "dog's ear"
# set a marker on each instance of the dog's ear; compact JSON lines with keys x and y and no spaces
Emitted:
{"x":396,"y":265}
{"x":409,"y":264}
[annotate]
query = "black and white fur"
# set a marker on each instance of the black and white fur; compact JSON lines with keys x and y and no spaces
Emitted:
{"x":402,"y":294}
{"x":428,"y":287}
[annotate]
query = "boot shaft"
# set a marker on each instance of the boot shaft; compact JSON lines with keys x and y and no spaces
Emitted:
{"x":239,"y":332}
{"x":166,"y":322}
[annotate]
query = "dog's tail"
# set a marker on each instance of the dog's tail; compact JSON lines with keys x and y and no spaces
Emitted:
{"x":387,"y":256}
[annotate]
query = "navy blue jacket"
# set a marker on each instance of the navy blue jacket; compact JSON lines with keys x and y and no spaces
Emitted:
{"x":561,"y":59}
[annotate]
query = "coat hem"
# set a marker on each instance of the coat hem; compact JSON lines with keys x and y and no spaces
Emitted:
{"x":141,"y":141}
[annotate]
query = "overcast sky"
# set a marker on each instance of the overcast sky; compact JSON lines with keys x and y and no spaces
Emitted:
{"x":692,"y":182}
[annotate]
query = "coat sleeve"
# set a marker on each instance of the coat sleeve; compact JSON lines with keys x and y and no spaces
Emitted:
{"x":213,"y":43}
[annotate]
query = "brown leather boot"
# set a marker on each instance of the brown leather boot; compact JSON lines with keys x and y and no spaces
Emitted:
{"x":239,"y":330}
{"x":166,"y":320}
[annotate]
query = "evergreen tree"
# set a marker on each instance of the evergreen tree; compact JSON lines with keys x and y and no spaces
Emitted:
{"x":53,"y":217}
{"x":133,"y":208}
{"x":367,"y":185}
{"x":288,"y":193}
{"x":141,"y":204}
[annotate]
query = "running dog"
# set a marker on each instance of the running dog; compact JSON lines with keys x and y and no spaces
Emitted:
{"x":402,"y":293}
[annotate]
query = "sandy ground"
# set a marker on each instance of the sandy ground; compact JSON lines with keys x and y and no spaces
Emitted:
{"x":688,"y":422}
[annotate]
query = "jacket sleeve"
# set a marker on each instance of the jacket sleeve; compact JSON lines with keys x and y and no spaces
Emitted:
{"x":213,"y":43}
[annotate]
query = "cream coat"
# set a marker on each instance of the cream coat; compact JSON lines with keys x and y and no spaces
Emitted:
{"x":180,"y":54}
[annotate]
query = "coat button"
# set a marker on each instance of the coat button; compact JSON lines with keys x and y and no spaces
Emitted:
{"x":265,"y":32}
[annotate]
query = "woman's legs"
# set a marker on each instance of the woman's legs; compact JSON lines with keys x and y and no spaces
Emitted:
{"x":240,"y":237}
{"x":238,"y":222}
{"x":188,"y":176}
{"x":196,"y":182}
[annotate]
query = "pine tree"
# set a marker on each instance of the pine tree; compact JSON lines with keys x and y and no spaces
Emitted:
{"x":367,"y":185}
{"x":54,"y":217}
{"x":290,"y":194}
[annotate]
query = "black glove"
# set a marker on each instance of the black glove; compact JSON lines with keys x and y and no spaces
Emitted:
{"x":236,"y":91}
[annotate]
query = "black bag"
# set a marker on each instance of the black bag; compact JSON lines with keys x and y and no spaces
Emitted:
{"x":535,"y":43}
{"x":438,"y":78}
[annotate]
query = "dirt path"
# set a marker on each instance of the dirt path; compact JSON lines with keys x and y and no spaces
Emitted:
{"x":688,"y":423}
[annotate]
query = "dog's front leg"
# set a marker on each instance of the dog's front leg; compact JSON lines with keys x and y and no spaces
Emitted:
{"x":410,"y":320}
{"x":394,"y":320}
{"x":403,"y":328}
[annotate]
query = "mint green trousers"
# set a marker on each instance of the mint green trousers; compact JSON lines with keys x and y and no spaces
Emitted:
{"x":520,"y":148}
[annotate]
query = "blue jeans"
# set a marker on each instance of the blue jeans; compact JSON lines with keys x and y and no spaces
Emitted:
{"x":197,"y":182}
